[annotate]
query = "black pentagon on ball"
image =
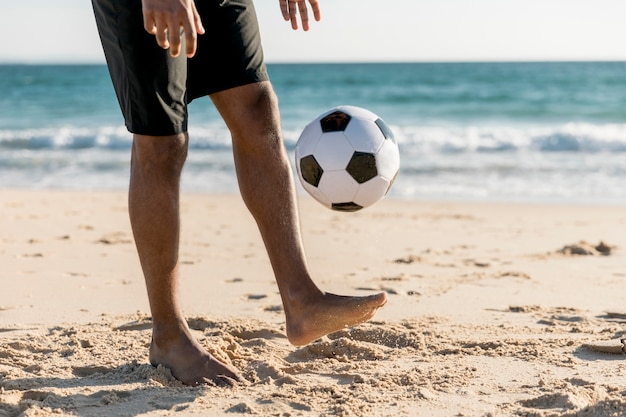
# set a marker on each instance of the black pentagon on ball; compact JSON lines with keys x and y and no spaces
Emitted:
{"x":362,"y":167}
{"x":387,"y":132}
{"x":311,"y":170}
{"x":346,"y":206}
{"x":337,"y":121}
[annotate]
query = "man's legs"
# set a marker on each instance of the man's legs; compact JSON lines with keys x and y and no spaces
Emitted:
{"x":156,"y":165}
{"x":267,"y":187}
{"x":266,"y":183}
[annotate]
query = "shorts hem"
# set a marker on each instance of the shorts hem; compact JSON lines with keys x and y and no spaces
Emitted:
{"x":162,"y":131}
{"x":252,"y":77}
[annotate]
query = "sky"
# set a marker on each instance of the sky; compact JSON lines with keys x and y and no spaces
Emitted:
{"x":42,"y":31}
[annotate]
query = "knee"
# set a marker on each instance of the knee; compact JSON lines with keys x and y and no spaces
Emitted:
{"x":159,"y":154}
{"x":259,"y":115}
{"x":267,"y":99}
{"x":262,"y":99}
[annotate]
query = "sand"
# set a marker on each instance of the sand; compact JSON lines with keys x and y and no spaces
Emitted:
{"x":494,"y":310}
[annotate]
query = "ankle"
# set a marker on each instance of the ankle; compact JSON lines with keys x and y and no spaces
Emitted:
{"x":301,"y":296}
{"x":165,"y":334}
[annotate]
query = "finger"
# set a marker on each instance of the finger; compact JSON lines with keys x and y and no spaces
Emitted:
{"x":175,"y":41}
{"x":160,"y":32}
{"x":192,"y":27}
{"x":188,"y":28}
{"x":316,"y":10}
{"x":148,"y":23}
{"x":293,"y":13}
{"x":191,"y":43}
{"x":197,"y":21}
{"x":304,"y":15}
{"x":284,"y":9}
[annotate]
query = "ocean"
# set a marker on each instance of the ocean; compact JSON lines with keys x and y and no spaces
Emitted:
{"x":547,"y":132}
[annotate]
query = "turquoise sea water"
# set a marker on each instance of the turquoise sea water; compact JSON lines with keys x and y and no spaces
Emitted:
{"x":532,"y":132}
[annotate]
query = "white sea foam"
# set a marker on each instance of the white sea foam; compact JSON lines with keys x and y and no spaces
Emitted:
{"x":570,"y":162}
{"x":570,"y":137}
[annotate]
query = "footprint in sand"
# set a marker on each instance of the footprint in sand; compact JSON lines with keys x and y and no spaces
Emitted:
{"x":84,"y":371}
{"x":408,"y":259}
{"x":616,"y":346}
{"x":256,"y":296}
{"x":395,"y":336}
{"x":32,"y":255}
{"x":586,"y":249}
{"x":140,"y":324}
{"x":33,"y":395}
{"x":115,"y":238}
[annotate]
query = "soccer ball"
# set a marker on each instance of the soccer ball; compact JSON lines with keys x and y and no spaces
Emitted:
{"x":347,"y":158}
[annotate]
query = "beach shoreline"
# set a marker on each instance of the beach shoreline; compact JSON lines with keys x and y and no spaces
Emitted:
{"x":492,"y":309}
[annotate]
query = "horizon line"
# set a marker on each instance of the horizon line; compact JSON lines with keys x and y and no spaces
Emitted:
{"x":69,"y":62}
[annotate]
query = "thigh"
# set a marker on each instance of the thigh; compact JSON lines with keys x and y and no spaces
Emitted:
{"x":229,"y":53}
{"x":150,"y":85}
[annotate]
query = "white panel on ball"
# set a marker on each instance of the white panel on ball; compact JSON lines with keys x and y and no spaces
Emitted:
{"x":388,"y":159}
{"x":370,"y":192}
{"x":365,"y":136}
{"x":312,"y":131}
{"x":338,"y":186}
{"x":333,"y":151}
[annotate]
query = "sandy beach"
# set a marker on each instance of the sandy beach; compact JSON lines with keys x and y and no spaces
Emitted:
{"x":494,"y":310}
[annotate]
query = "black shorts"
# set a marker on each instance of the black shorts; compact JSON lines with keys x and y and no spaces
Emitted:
{"x":153,"y":89}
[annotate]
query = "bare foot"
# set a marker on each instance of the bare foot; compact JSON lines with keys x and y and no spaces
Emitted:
{"x":327,"y":313}
{"x":190,"y":363}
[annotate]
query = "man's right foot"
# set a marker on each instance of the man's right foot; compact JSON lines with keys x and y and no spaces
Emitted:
{"x":324,"y":313}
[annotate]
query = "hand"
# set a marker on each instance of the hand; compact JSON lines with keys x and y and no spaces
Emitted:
{"x":166,"y":18}
{"x":291,"y":8}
